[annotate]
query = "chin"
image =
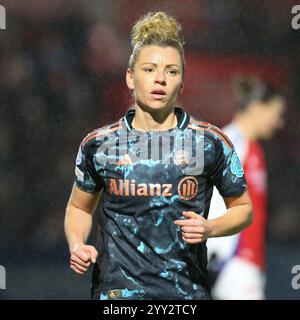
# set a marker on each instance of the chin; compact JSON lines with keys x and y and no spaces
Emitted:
{"x":153,"y":106}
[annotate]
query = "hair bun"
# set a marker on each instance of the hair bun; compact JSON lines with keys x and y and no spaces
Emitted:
{"x":156,"y":27}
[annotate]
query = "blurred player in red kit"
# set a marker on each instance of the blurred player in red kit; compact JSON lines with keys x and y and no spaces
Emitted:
{"x":237,"y":263}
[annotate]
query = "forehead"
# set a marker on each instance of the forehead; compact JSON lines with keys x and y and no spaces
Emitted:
{"x":159,"y":55}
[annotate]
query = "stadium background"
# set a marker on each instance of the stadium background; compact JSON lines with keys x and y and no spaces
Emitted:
{"x":62,"y":68}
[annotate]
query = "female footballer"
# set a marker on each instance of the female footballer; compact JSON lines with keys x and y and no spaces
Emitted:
{"x":152,"y":173}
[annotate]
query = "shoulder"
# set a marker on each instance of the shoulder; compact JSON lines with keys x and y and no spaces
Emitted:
{"x":211,"y":132}
{"x":100,"y":133}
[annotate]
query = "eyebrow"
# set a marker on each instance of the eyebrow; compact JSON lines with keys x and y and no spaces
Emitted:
{"x":168,"y":65}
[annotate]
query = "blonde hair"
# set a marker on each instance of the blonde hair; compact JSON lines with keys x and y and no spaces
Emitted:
{"x":156,"y":28}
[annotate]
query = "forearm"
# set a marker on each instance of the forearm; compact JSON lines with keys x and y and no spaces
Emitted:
{"x":233,"y":221}
{"x":78,"y":225}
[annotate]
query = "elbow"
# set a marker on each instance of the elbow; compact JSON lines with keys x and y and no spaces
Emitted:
{"x":249,"y":215}
{"x":250,"y":218}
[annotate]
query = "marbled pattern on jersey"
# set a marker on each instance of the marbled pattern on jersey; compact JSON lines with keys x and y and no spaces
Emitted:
{"x":141,"y":251}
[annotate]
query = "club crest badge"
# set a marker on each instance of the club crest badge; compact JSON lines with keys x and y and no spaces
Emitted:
{"x":181,"y":158}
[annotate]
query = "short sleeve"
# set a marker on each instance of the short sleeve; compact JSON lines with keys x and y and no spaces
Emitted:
{"x":87,"y":177}
{"x":228,"y":175}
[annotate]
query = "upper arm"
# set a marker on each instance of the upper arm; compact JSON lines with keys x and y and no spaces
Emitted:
{"x":87,"y":170}
{"x":243,"y":199}
{"x":89,"y":183}
{"x":227,"y":172}
{"x":85,"y":201}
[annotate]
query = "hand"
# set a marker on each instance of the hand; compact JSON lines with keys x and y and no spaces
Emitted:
{"x":195,"y":229}
{"x":81,"y":257}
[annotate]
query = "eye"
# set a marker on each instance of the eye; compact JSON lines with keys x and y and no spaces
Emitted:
{"x":173,"y":72}
{"x":148,"y":69}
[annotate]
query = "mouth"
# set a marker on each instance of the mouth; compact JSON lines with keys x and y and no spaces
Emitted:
{"x":158,"y":94}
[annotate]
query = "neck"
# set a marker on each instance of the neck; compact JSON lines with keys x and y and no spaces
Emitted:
{"x":246,"y":126}
{"x":154,"y":121}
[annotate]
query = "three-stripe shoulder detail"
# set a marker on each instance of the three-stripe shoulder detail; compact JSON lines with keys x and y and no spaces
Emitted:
{"x":206,"y":126}
{"x":102,"y":131}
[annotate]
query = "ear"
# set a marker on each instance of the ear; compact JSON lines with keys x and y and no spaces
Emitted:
{"x":129,"y":79}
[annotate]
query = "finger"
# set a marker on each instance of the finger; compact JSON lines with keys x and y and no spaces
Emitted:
{"x":78,"y":267}
{"x":93,"y":253}
{"x":188,"y":222}
{"x":75,"y":269}
{"x":191,"y":214}
{"x":191,"y":235}
{"x":198,"y":229}
{"x":83,"y":255}
{"x":75,"y":259}
{"x":193,"y":241}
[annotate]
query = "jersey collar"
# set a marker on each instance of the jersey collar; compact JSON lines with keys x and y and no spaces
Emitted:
{"x":183,"y":118}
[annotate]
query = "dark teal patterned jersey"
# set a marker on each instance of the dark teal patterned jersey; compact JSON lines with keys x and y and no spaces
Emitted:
{"x":148,"y":179}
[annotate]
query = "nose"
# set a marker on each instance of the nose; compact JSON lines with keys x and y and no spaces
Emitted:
{"x":160,"y":78}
